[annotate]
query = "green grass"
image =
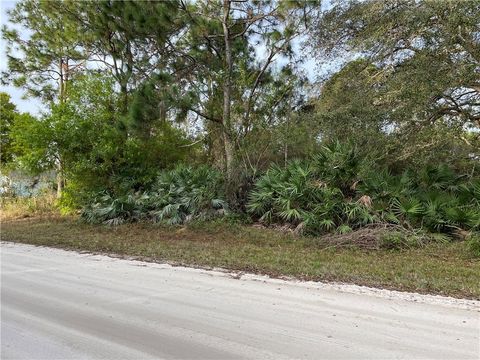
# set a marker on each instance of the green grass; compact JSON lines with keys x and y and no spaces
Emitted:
{"x":443,"y":269}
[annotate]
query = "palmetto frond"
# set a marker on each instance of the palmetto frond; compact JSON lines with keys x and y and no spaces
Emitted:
{"x":179,"y":195}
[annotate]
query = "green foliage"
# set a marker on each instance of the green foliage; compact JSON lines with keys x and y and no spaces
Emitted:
{"x":31,"y":139}
{"x":339,"y":191}
{"x":400,"y":97}
{"x":435,"y":198}
{"x":284,"y":194}
{"x":8,"y":113}
{"x":473,"y":245}
{"x":177,"y":196}
{"x":347,"y":109}
{"x":311,"y":195}
{"x":339,"y":164}
{"x":134,"y":88}
{"x":46,"y":57}
{"x":82,"y":135}
{"x":187,"y":193}
{"x":110,"y":210}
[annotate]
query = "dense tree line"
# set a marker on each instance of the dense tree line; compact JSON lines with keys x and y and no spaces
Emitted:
{"x":135,"y":88}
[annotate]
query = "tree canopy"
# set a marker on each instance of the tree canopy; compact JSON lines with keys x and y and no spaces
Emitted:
{"x":421,"y":61}
{"x":133,"y":88}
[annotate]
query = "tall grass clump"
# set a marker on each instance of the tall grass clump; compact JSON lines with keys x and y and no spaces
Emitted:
{"x":14,"y":207}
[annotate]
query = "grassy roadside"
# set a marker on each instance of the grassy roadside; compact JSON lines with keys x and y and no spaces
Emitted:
{"x":436,"y":268}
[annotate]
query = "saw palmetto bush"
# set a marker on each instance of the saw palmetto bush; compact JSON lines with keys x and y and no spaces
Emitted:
{"x":285,"y":194}
{"x":434,"y":198}
{"x":178,"y":196}
{"x":187,"y":193}
{"x":116,"y":210}
{"x":308,"y":197}
{"x":338,"y":191}
{"x":340,"y":165}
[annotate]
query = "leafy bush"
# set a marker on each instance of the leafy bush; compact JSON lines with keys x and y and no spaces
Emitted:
{"x":178,"y":196}
{"x":297,"y":196}
{"x":338,"y":191}
{"x":340,"y":165}
{"x":435,"y":199}
{"x":285,"y":194}
{"x":110,"y":210}
{"x":187,"y":193}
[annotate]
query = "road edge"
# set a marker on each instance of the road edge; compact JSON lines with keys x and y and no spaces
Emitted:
{"x":465,"y":304}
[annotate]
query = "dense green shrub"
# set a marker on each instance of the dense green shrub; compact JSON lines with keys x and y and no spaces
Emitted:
{"x":339,"y":191}
{"x":300,"y":196}
{"x":285,"y":194}
{"x":434,"y":198}
{"x":340,"y":165}
{"x":110,"y":210}
{"x":335,"y":191}
{"x":187,"y":193}
{"x":179,"y":195}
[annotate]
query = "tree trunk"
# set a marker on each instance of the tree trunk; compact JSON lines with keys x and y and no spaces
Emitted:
{"x":124,"y":94}
{"x":61,"y":98}
{"x":59,"y":180}
{"x":229,"y":148}
{"x":163,"y":111}
{"x":61,"y":83}
{"x":228,"y":143}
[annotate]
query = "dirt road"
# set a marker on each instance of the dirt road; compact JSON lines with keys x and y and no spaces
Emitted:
{"x":65,"y":305}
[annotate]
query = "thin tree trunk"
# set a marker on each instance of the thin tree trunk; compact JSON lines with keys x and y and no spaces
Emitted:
{"x":286,"y":141}
{"x":59,"y":180}
{"x":61,"y":98}
{"x":229,"y":148}
{"x":61,"y":84}
{"x":228,"y":143}
{"x":163,"y":111}
{"x":124,"y":92}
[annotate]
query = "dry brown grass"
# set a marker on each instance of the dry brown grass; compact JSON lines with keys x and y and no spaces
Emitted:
{"x":18,"y":208}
